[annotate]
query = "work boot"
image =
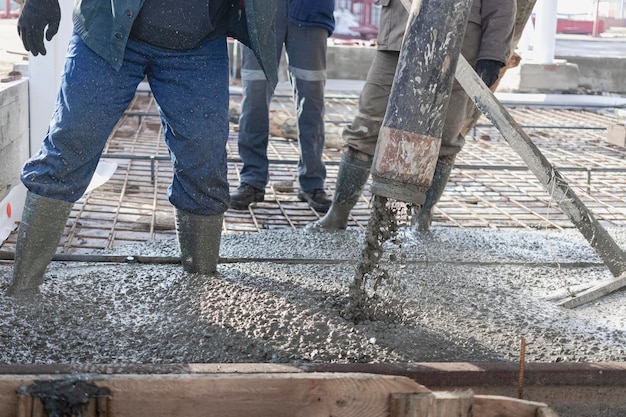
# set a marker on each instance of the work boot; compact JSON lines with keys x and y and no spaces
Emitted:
{"x":317,"y":199}
{"x":354,"y":170}
{"x":423,"y":216}
{"x":199,"y":241}
{"x":38,"y":235}
{"x":244,"y":196}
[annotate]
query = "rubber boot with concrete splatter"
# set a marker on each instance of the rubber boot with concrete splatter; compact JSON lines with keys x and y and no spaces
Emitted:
{"x":38,"y":235}
{"x":199,"y":240}
{"x":354,"y":170}
{"x":423,"y":216}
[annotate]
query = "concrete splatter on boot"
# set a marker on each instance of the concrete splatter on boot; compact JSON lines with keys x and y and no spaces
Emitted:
{"x":423,"y":216}
{"x":38,"y":235}
{"x":354,"y":170}
{"x":199,"y":240}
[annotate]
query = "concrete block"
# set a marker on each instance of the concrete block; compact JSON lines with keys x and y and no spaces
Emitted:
{"x":21,"y":67}
{"x":616,"y":134}
{"x":601,"y":73}
{"x":528,"y":77}
{"x":349,"y":62}
{"x":14,"y":132}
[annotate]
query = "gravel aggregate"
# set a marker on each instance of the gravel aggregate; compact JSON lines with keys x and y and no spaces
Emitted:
{"x":453,"y":295}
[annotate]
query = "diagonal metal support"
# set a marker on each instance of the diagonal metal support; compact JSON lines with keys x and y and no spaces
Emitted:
{"x":595,"y":292}
{"x":597,"y":236}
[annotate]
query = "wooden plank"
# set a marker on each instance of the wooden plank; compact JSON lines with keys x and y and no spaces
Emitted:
{"x":33,"y":407}
{"x":498,"y":406}
{"x":240,"y":395}
{"x":11,"y":404}
{"x":102,"y":406}
{"x":434,"y":404}
{"x":11,"y":400}
{"x":24,"y":406}
{"x":38,"y":409}
{"x":257,"y":395}
{"x":410,"y":405}
{"x":595,"y":292}
{"x":464,"y":404}
{"x":546,"y":412}
{"x":452,"y":404}
{"x":568,"y":292}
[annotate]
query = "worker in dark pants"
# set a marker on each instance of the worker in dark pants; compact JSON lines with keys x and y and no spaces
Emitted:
{"x":486,"y":46}
{"x":303,"y":27}
{"x":181,"y":48}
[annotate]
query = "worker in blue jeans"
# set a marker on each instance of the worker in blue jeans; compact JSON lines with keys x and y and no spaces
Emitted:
{"x":303,"y":27}
{"x":181,"y":48}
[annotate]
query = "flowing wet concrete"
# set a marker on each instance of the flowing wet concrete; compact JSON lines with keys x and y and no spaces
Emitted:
{"x":452,"y":295}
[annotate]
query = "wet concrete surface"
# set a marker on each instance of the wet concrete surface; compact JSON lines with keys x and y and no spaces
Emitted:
{"x":452,"y":295}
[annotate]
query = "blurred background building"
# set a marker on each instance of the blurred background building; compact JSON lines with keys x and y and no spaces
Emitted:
{"x":359,"y":18}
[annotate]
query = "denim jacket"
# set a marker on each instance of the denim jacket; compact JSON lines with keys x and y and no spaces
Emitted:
{"x":105,"y":26}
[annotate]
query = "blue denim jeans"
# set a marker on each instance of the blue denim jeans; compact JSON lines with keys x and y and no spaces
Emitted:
{"x":191,"y":91}
{"x":306,"y":50}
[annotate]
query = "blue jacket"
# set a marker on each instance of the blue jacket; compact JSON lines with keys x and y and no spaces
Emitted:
{"x":105,"y":26}
{"x":313,"y":13}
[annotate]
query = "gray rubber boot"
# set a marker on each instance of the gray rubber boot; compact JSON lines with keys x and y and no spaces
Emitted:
{"x":38,"y":235}
{"x":199,"y":241}
{"x":354,"y":170}
{"x":423,"y":216}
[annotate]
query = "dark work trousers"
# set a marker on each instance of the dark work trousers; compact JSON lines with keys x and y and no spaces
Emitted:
{"x":362,"y":134}
{"x":306,"y":54}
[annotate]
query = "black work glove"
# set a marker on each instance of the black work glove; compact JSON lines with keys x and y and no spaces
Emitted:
{"x":35,"y":16}
{"x":488,"y":70}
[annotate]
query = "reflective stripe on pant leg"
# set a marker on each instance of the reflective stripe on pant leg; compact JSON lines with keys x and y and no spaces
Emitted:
{"x":309,"y":97}
{"x":254,"y":123}
{"x":253,"y":135}
{"x":306,"y":50}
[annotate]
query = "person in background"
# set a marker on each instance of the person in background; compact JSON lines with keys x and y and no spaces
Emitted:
{"x":303,"y":27}
{"x":486,"y":46}
{"x":181,"y":48}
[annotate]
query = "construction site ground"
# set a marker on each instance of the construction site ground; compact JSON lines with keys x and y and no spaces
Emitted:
{"x":481,"y":287}
{"x":490,"y":186}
